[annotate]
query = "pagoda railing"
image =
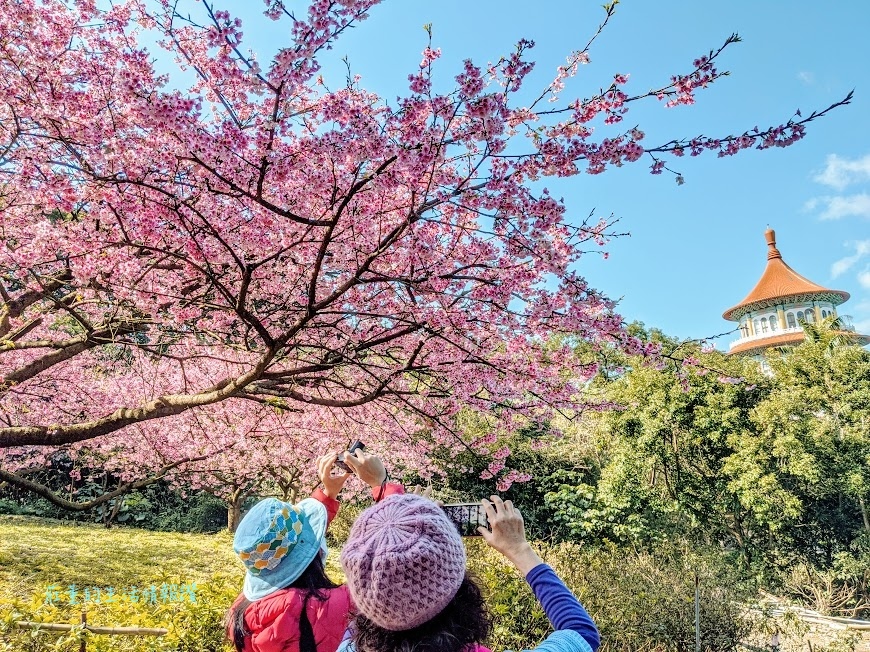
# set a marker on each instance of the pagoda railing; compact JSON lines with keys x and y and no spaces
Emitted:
{"x":764,"y":336}
{"x":845,"y":323}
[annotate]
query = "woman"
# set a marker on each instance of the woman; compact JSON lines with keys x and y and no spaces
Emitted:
{"x":288,"y":603}
{"x":405,"y":568}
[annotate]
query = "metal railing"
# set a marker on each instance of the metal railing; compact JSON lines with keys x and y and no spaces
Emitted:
{"x":844,"y":321}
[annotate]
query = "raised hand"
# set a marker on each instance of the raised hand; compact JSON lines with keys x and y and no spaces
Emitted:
{"x":507,"y":533}
{"x":332,"y":477}
{"x":368,"y":468}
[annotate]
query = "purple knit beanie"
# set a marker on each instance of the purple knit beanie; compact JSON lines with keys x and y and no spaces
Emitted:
{"x":404,"y":562}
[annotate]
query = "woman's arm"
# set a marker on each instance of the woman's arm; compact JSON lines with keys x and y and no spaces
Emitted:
{"x":561,"y":606}
{"x":331,"y":504}
{"x":370,"y":469}
{"x":508,"y":536}
{"x":386,"y":489}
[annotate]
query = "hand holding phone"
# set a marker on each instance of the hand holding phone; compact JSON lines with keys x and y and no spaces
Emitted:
{"x":354,"y":447}
{"x":332,"y":482}
{"x":507,"y":534}
{"x":368,"y":468}
{"x":467,"y":517}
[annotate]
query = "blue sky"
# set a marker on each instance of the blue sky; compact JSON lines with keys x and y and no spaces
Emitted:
{"x":696,"y":249}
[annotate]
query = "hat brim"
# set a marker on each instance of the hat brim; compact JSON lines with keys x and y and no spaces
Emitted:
{"x":303,"y":553}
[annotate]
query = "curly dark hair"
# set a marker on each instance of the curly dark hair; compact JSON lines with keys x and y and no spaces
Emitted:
{"x":464,"y":621}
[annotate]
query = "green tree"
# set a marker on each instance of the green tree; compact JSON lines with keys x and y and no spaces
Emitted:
{"x":658,"y":461}
{"x":804,"y":469}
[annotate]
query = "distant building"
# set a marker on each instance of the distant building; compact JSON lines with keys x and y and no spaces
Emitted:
{"x":774,"y":312}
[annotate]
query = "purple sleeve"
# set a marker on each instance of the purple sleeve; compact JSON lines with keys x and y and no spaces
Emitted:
{"x":562,"y":608}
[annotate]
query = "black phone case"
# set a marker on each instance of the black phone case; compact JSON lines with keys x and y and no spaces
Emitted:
{"x":467,"y":517}
{"x":339,"y":461}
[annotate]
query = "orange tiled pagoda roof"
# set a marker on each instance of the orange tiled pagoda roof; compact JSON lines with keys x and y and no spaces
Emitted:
{"x":780,"y":281}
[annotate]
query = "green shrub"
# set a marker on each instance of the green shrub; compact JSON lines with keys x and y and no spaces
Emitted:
{"x":159,"y":506}
{"x":199,"y":512}
{"x":339,"y":529}
{"x":639,"y":601}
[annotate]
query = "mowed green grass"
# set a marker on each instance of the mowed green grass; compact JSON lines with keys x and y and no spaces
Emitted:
{"x":37,"y":553}
{"x":41,"y":558}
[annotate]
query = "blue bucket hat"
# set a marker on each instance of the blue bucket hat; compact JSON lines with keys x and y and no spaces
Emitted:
{"x":276,"y":542}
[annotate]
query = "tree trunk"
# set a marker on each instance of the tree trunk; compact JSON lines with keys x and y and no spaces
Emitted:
{"x":864,"y":513}
{"x":234,"y":511}
{"x":113,"y":513}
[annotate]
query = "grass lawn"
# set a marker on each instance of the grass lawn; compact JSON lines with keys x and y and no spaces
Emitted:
{"x":41,"y":558}
{"x":36,"y":553}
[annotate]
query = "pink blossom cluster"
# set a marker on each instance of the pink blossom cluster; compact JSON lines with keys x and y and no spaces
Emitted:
{"x":684,"y":86}
{"x":574,"y":61}
{"x":508,"y":479}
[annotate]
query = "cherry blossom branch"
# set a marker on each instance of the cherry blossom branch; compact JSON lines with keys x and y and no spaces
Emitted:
{"x":163,"y":406}
{"x":18,"y":480}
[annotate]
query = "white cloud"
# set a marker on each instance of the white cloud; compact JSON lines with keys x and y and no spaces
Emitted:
{"x":839,"y":206}
{"x":841,"y":172}
{"x":864,"y":278}
{"x":806,"y":77}
{"x":860,"y":312}
{"x":843,"y":265}
{"x":840,"y":267}
{"x":862,"y":325}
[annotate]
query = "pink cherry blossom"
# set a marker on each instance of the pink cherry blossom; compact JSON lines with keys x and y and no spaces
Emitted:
{"x":217,"y":272}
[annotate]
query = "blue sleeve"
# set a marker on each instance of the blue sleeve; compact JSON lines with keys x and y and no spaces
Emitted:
{"x":561,"y":606}
{"x":564,"y":640}
{"x":346,"y":645}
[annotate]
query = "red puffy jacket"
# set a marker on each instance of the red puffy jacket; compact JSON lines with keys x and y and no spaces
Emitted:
{"x":274,"y":620}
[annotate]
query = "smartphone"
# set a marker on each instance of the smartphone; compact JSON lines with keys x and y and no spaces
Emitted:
{"x":467,"y":517}
{"x":354,"y":447}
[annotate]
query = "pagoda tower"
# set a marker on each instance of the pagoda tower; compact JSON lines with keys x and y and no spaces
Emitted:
{"x":774,"y":312}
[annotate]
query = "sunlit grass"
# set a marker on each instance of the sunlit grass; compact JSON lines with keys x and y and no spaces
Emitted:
{"x":40,"y":559}
{"x":37,"y":553}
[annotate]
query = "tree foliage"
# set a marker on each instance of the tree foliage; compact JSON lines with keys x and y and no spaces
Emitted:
{"x":772,"y":466}
{"x":236,"y":233}
{"x":805,"y":469}
{"x":657,"y":464}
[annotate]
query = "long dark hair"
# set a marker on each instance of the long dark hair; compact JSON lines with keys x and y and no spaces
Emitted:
{"x":464,"y":621}
{"x":312,"y":582}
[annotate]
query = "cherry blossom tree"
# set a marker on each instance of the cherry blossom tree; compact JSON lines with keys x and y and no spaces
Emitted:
{"x":253,"y":245}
